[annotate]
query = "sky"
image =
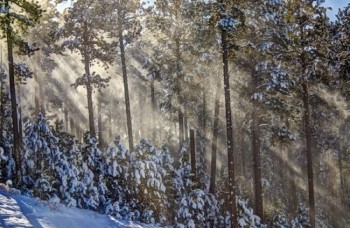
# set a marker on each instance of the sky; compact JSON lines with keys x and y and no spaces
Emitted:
{"x":335,"y":4}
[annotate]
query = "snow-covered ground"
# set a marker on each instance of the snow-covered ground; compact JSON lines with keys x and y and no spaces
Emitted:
{"x":20,"y":211}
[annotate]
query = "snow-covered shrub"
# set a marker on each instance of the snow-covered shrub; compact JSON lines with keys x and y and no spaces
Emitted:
{"x":302,"y":220}
{"x":246,"y":216}
{"x":146,"y":182}
{"x":279,"y":220}
{"x":45,"y":166}
{"x":88,"y":191}
{"x":116,"y":172}
{"x":38,"y":144}
{"x":69,"y":167}
{"x":198,"y":208}
{"x":194,"y":207}
{"x":50,"y":167}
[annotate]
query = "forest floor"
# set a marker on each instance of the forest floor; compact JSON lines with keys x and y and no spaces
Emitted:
{"x":20,"y":211}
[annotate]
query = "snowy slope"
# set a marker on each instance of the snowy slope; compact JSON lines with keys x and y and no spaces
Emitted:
{"x":20,"y":211}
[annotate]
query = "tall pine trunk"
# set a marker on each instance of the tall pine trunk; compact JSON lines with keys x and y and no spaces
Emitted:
{"x":20,"y":123}
{"x":204,"y":121}
{"x":308,"y":138}
{"x":259,"y":209}
{"x":16,"y":137}
{"x":308,"y":134}
{"x":66,"y":119}
{"x":185,"y":127}
{"x":2,"y":106}
{"x":72,"y":126}
{"x":193,"y":156}
{"x":212,"y":186}
{"x":229,"y":132}
{"x":179,"y":95}
{"x":125,"y":81}
{"x":153,"y":105}
{"x":88,"y":84}
{"x":99,"y":125}
{"x":178,"y":77}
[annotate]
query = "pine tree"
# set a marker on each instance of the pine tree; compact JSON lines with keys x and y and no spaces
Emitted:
{"x":83,"y":34}
{"x":125,"y":27}
{"x":147,"y":183}
{"x":194,"y":206}
{"x":307,"y":48}
{"x":92,"y":173}
{"x":116,"y":174}
{"x":228,"y":24}
{"x":29,"y":15}
{"x":46,"y":168}
{"x":6,"y":136}
{"x":45,"y":35}
{"x":340,"y":57}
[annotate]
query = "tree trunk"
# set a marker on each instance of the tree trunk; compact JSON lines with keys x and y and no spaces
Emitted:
{"x":308,"y":136}
{"x":179,"y":95}
{"x":125,"y":80}
{"x":88,"y":84}
{"x":342,"y":179}
{"x":99,"y":125}
{"x":212,"y":187}
{"x":153,"y":104}
{"x":204,"y":115}
{"x":66,"y":119}
{"x":20,"y":123}
{"x":16,"y":137}
{"x":91,"y":110}
{"x":257,"y":153}
{"x":72,"y":127}
{"x":2,"y":106}
{"x":186,"y":128}
{"x":110,"y":132}
{"x":178,"y":77}
{"x":193,"y":156}
{"x":230,"y":143}
{"x":204,"y":122}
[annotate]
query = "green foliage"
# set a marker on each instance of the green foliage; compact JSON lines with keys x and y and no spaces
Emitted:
{"x":21,"y":15}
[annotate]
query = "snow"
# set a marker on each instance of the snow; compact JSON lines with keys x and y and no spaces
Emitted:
{"x":21,"y":211}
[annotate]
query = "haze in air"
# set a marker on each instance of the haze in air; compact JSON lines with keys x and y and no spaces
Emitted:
{"x":179,"y":113}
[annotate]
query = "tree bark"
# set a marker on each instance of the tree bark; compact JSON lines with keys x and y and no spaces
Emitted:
{"x":342,"y":179}
{"x":193,"y":156}
{"x":2,"y":106}
{"x":88,"y":84}
{"x":66,"y":119}
{"x":16,"y":137}
{"x":178,"y":77}
{"x":186,"y":128}
{"x":99,"y":125}
{"x":153,"y":104}
{"x":259,"y":209}
{"x":125,"y":80}
{"x":20,"y":123}
{"x":230,"y":142}
{"x":204,"y":122}
{"x":72,"y":126}
{"x":212,"y":187}
{"x":179,"y":95}
{"x":308,"y":136}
